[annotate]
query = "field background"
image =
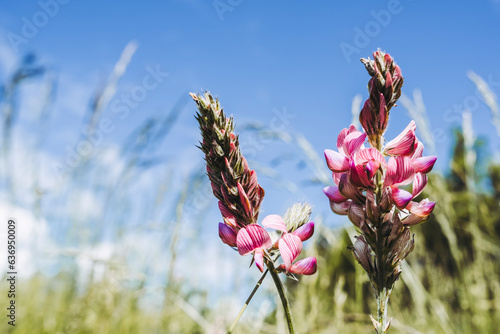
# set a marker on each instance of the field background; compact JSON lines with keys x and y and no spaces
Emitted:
{"x":117,"y":230}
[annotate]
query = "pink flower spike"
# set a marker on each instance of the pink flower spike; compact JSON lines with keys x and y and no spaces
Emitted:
{"x":423,"y":208}
{"x":419,"y":183}
{"x":290,"y":247}
{"x":404,"y":143}
{"x":400,"y":197}
{"x":305,"y":231}
{"x":259,"y":259}
{"x":424,"y":164}
{"x":252,"y":237}
{"x":334,"y":194}
{"x":307,"y":266}
{"x":227,"y":234}
{"x":274,"y":222}
{"x":336,"y":162}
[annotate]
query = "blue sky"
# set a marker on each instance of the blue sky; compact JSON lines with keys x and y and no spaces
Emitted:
{"x":259,"y":57}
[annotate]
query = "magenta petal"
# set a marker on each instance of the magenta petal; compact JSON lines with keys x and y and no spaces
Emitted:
{"x":227,"y":234}
{"x":424,"y":164}
{"x":419,"y":149}
{"x":334,"y":194}
{"x":359,"y":176}
{"x":423,"y":208}
{"x":400,"y":197}
{"x":369,"y":154}
{"x":307,"y":266}
{"x":290,"y":247}
{"x":259,"y":259}
{"x":399,"y":171}
{"x":419,"y":183}
{"x":252,"y":237}
{"x":336,"y":162}
{"x":404,"y":143}
{"x":305,"y":231}
{"x":353,"y":142}
{"x":274,"y":222}
{"x":371,"y":169}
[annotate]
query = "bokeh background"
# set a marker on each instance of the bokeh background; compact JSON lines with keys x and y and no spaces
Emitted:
{"x":117,"y":227}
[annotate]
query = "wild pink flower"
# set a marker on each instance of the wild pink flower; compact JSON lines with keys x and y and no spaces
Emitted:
{"x":370,"y":184}
{"x":240,"y":195}
{"x":290,"y":246}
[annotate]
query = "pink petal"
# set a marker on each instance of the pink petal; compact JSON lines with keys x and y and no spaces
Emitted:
{"x":382,"y":112}
{"x":274,"y":222}
{"x":227,"y":214}
{"x":290,"y":247}
{"x":369,"y":154}
{"x":419,"y":183}
{"x":399,"y":171}
{"x":227,"y":234}
{"x":334,"y":194}
{"x":424,"y":164}
{"x":371,"y":168}
{"x":340,"y":140}
{"x":388,"y":79}
{"x":305,"y":231}
{"x":259,"y":259}
{"x":336,"y":177}
{"x":400,"y":197}
{"x":404,"y":143}
{"x":419,"y":149}
{"x":353,"y":142}
{"x":336,"y":162}
{"x":252,"y":237}
{"x":423,"y":208}
{"x":244,"y":201}
{"x":307,"y":266}
{"x":359,"y":176}
{"x":340,"y":208}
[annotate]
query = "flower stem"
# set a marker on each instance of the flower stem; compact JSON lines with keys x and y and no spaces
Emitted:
{"x":284,"y":300}
{"x":233,"y":325}
{"x":382,"y":304}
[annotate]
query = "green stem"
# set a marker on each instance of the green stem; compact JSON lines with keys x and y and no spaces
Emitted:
{"x":233,"y":325}
{"x":284,"y":300}
{"x":382,"y":304}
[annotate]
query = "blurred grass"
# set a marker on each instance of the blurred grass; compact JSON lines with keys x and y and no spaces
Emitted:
{"x":450,"y":283}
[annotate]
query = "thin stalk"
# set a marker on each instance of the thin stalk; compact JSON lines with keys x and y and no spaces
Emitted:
{"x":382,"y":304}
{"x":233,"y":325}
{"x":281,"y":292}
